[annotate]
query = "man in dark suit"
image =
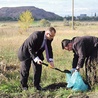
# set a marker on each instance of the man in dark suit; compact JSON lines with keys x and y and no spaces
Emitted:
{"x":84,"y":47}
{"x":31,"y":51}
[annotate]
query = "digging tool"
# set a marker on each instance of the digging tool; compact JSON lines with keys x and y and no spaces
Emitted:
{"x":65,"y":71}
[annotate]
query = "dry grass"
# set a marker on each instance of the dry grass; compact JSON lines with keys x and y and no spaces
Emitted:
{"x":11,"y":39}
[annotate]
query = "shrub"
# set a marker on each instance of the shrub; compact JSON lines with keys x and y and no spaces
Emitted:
{"x":45,"y":23}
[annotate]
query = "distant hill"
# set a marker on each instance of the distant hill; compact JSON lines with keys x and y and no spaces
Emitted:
{"x":13,"y":13}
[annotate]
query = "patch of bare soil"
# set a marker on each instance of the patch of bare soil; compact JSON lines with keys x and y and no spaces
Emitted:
{"x":55,"y":86}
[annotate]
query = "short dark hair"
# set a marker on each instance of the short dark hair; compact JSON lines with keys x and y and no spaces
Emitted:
{"x":52,"y":29}
{"x":65,"y":42}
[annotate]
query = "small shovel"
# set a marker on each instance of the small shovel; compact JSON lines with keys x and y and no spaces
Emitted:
{"x":65,"y":71}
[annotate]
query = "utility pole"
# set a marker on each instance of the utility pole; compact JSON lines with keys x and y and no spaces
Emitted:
{"x":73,"y":14}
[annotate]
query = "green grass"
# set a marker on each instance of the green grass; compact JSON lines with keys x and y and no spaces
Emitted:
{"x":10,"y":41}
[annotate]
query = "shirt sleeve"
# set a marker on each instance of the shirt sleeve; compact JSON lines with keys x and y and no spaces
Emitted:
{"x":75,"y":61}
{"x":31,"y":46}
{"x":50,"y":50}
{"x":81,"y":54}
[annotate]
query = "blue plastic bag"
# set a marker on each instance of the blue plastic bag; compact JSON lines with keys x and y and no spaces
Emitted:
{"x":75,"y":81}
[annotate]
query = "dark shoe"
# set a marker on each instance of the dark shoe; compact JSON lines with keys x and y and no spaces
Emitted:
{"x":38,"y":87}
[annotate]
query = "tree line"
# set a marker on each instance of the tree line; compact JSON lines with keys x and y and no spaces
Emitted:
{"x":87,"y":18}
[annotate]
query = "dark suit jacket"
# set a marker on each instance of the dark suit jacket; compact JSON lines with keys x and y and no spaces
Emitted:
{"x":31,"y":47}
{"x":83,"y":47}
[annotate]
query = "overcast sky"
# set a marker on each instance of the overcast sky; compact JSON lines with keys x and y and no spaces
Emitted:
{"x":60,"y":7}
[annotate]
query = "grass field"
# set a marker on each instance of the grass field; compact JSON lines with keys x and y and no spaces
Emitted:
{"x":10,"y":41}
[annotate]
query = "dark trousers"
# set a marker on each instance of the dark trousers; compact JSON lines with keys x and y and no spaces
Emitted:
{"x":24,"y":72}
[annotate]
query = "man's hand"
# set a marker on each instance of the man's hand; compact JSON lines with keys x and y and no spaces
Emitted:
{"x":39,"y":61}
{"x":73,"y":70}
{"x":77,"y":68}
{"x":51,"y":64}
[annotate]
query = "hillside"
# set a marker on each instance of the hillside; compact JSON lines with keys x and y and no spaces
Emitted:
{"x":13,"y":13}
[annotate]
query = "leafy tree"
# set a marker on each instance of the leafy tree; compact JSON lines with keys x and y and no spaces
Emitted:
{"x":25,"y":20}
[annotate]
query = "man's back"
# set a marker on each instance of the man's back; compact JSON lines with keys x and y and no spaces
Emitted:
{"x":84,"y":45}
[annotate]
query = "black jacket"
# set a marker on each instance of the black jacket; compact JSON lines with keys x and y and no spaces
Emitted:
{"x":83,"y":47}
{"x":31,"y":47}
